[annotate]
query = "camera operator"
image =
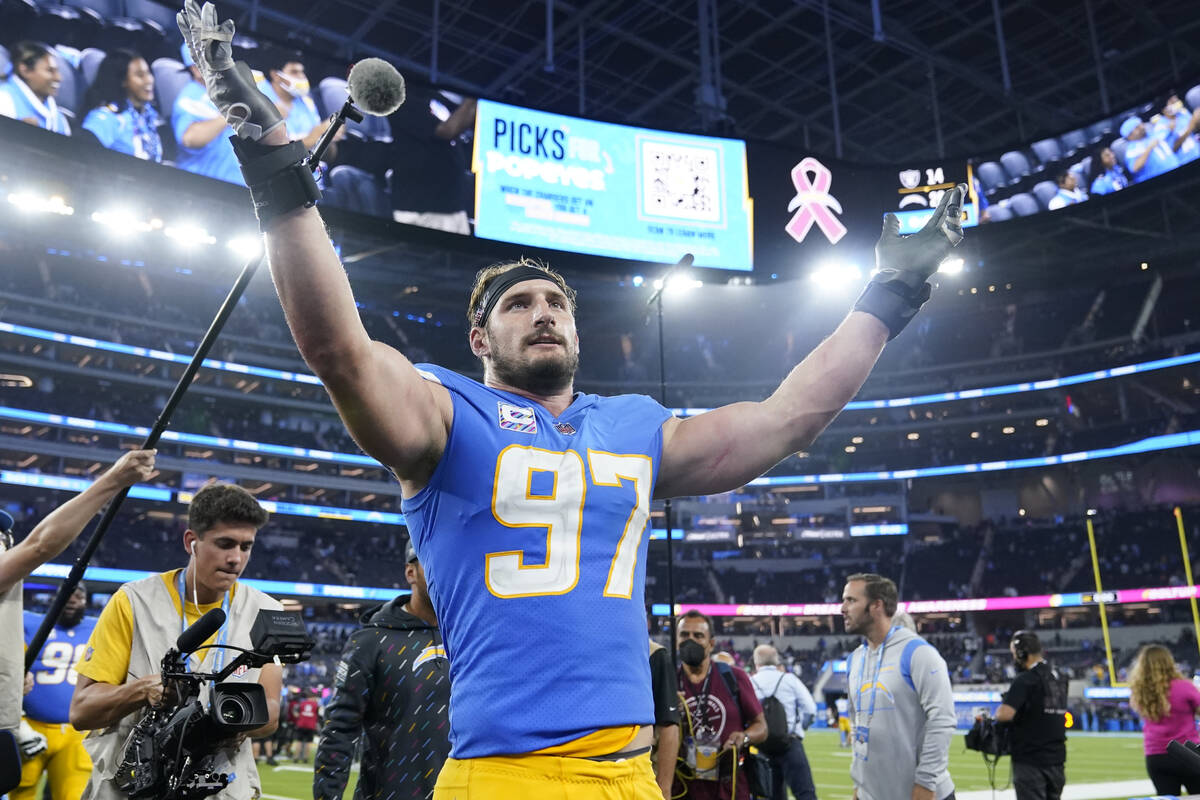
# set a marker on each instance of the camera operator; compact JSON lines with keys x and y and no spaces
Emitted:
{"x":49,"y":538}
{"x":1036,"y":705}
{"x":119,"y":677}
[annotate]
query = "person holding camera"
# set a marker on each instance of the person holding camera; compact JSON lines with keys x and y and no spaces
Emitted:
{"x":119,"y":677}
{"x":901,"y":705}
{"x":1036,"y":707}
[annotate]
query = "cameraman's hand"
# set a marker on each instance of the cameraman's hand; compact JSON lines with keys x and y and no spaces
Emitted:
{"x":28,"y":682}
{"x":150,"y":689}
{"x":133,"y":467}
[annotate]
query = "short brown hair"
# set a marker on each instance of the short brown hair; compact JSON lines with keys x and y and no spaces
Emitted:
{"x":879,"y":588}
{"x":220,"y":503}
{"x":485,"y":276}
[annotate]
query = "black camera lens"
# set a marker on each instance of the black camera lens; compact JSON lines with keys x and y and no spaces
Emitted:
{"x":233,"y":710}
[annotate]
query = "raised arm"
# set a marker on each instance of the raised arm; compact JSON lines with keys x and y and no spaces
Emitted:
{"x":393,"y":413}
{"x":730,"y":446}
{"x":62,"y":525}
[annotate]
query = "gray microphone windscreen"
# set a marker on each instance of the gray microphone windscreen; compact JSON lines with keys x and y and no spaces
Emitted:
{"x":375,"y":87}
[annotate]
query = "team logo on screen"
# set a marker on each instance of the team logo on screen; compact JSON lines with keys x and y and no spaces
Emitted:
{"x":910,"y":178}
{"x":517,"y":418}
{"x":813,"y":203}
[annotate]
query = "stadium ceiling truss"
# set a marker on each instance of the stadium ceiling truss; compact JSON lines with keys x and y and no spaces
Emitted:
{"x":874,"y":81}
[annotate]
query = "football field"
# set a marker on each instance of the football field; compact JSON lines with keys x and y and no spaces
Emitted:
{"x":1098,"y":768}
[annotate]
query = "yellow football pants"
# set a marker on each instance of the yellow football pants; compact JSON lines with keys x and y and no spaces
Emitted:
{"x":546,"y":778}
{"x":66,"y":763}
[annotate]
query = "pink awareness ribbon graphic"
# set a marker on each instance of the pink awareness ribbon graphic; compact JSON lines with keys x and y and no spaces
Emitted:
{"x":815,"y":205}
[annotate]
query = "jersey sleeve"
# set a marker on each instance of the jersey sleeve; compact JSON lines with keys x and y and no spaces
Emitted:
{"x":103,"y":124}
{"x":107,"y":657}
{"x":190,"y":109}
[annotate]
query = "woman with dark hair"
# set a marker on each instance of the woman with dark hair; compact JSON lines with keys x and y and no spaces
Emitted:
{"x":1106,"y":174}
{"x":28,"y":94}
{"x":120,"y":105}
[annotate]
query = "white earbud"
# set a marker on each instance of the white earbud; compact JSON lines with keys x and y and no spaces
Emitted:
{"x":193,"y":547}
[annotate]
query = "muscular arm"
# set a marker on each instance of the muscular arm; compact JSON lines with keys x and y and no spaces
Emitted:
{"x":730,"y":446}
{"x":393,"y":413}
{"x":96,"y":705}
{"x":200,"y":134}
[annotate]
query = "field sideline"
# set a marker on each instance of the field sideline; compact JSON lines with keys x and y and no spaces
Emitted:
{"x":1091,"y":762}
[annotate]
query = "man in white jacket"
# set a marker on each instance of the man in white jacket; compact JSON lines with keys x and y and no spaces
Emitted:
{"x":901,"y":706}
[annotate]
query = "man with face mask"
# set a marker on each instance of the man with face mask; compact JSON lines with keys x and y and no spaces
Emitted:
{"x":724,"y":717}
{"x":1036,"y":705}
{"x":285,"y":83}
{"x":59,"y":752}
{"x":901,"y":707}
{"x":1177,"y":128}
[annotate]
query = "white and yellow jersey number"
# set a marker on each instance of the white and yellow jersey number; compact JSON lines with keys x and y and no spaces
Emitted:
{"x":560,"y":512}
{"x":58,"y":662}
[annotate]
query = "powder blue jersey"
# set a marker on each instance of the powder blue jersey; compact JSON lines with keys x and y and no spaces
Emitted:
{"x":18,"y":101}
{"x":54,"y":671}
{"x":533,"y":533}
{"x":216,"y":159}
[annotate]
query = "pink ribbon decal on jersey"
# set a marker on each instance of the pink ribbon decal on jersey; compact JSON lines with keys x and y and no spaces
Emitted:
{"x":813,"y":204}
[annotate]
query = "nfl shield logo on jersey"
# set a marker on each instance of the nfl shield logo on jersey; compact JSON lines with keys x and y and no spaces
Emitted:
{"x":517,"y":418}
{"x":565,"y":428}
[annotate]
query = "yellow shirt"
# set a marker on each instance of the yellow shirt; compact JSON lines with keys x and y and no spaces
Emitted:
{"x":106,"y":659}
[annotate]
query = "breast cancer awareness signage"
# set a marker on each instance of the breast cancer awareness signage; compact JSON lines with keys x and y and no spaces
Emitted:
{"x":813,"y":203}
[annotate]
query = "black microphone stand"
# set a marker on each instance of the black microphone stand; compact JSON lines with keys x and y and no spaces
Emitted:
{"x":160,"y":425}
{"x":656,"y":301}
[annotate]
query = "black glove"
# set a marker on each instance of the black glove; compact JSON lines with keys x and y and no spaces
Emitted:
{"x":230,"y":85}
{"x":904,"y":264}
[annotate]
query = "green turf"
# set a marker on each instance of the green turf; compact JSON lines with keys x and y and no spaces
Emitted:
{"x":1090,"y":759}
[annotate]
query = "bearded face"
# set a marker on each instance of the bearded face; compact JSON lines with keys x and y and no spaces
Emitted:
{"x":530,"y":342}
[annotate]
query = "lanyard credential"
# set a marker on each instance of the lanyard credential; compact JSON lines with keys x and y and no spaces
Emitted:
{"x":875,"y":680}
{"x":219,"y":654}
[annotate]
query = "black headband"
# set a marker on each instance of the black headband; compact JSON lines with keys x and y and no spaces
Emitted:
{"x":502,"y":283}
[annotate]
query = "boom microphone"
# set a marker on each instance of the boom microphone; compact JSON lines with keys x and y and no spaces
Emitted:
{"x":375,"y":87}
{"x":200,"y":630}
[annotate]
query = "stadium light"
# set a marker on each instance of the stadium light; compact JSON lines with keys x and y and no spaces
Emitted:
{"x":246,"y":246}
{"x":951,"y":266}
{"x":122,"y":222}
{"x":678,"y":283}
{"x":638,"y":280}
{"x":31,"y":202}
{"x":836,"y":274}
{"x":189,"y":234}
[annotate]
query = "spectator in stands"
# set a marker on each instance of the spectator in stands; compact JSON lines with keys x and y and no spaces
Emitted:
{"x":429,"y":185}
{"x":28,"y":94}
{"x":120,"y":104}
{"x":1178,"y":128}
{"x":286,"y":84}
{"x":1069,"y":192}
{"x":723,"y":716}
{"x":1146,"y":155}
{"x":1107,"y":175}
{"x":393,"y":678}
{"x":789,"y":767}
{"x":1167,"y":703}
{"x":201,"y":131}
{"x":1036,"y":705}
{"x":904,"y":752}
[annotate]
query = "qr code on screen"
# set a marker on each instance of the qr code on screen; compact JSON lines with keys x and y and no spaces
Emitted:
{"x":681,"y":181}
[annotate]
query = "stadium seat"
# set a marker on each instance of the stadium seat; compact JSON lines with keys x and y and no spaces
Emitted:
{"x":1193,"y":97}
{"x":105,"y":8}
{"x":5,"y":62}
{"x":1016,"y":165}
{"x":999,"y":212}
{"x":1072,"y":142}
{"x":1085,"y":166}
{"x":169,"y":79}
{"x":1044,"y":191}
{"x":1023,"y":204}
{"x":68,"y":25}
{"x":68,"y":90}
{"x":1047,"y":151}
{"x":1118,"y":147}
{"x":142,"y":36}
{"x":357,"y":190}
{"x":1080,"y":174}
{"x":17,"y":15}
{"x":89,"y":64}
{"x":332,"y":93}
{"x":1098,"y":131}
{"x":992,"y":176}
{"x":162,"y":15}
